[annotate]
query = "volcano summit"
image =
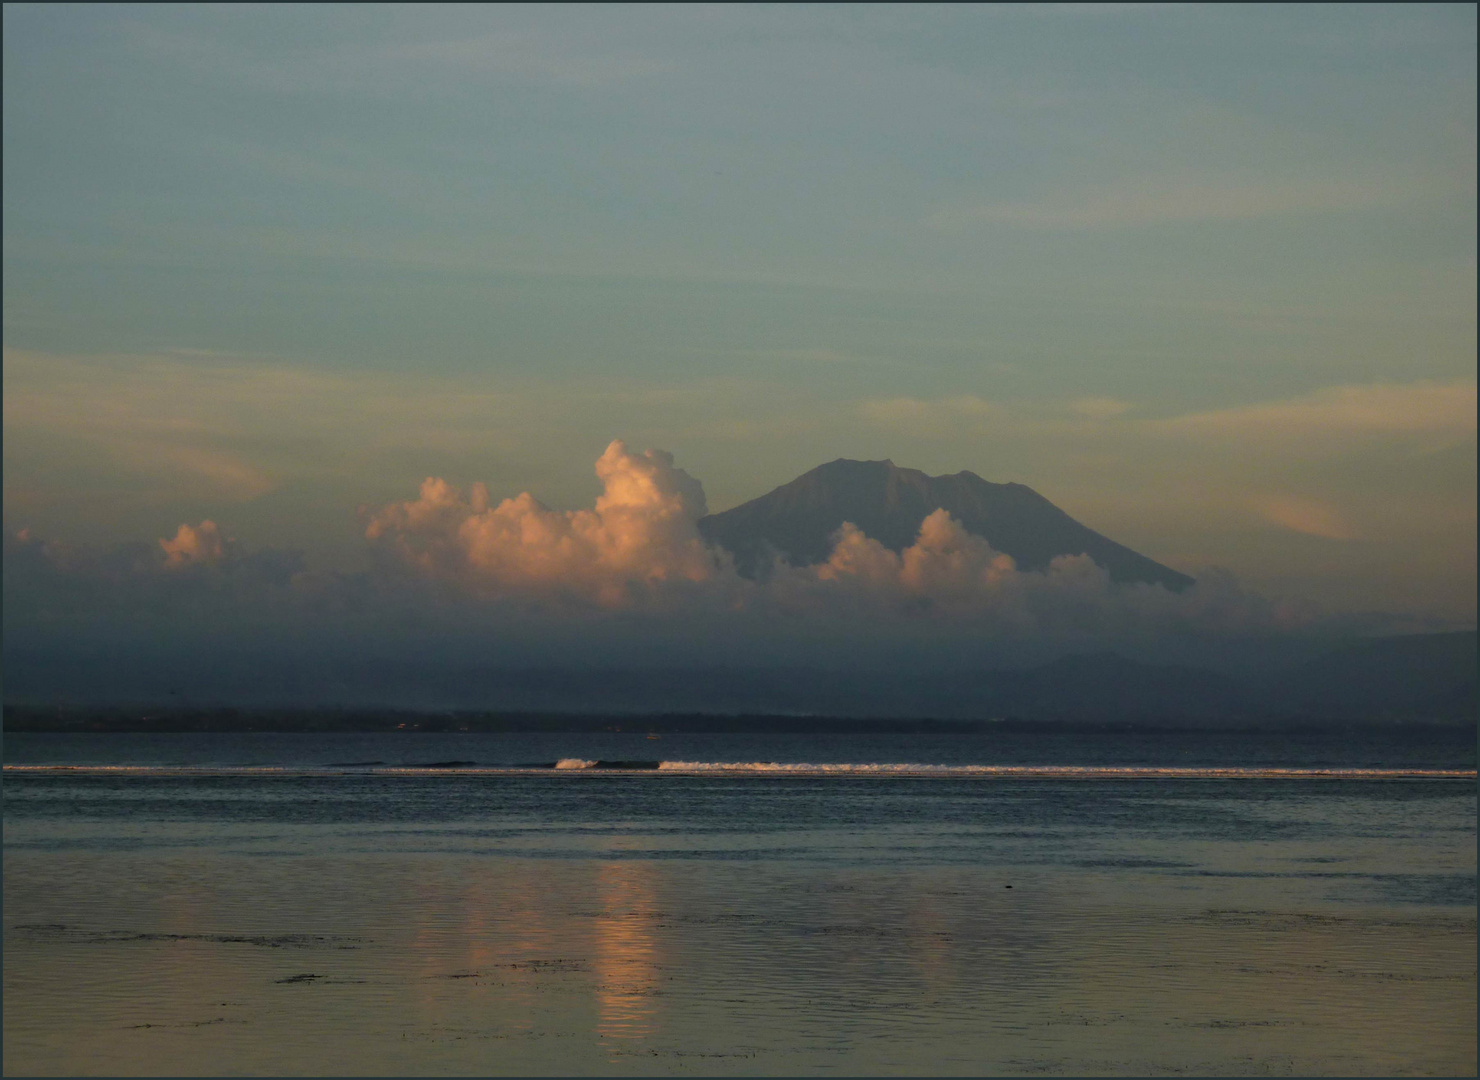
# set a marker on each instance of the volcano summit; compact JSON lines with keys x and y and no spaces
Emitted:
{"x":797,"y":520}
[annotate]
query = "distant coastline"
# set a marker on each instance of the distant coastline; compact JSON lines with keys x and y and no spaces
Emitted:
{"x":143,"y":720}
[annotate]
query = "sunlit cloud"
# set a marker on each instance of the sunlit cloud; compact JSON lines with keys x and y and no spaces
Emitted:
{"x":218,"y":474}
{"x":1432,"y":412}
{"x":193,"y":436}
{"x":202,"y":543}
{"x":641,"y":534}
{"x":639,"y":549}
{"x":1100,"y":408}
{"x":1442,"y":411}
{"x":1305,"y":516}
{"x":233,"y":429}
{"x":1160,"y":202}
{"x":910,"y":411}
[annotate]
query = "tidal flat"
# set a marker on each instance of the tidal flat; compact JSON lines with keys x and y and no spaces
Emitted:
{"x":351,"y":920}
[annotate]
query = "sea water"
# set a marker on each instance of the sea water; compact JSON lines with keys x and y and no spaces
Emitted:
{"x":1002,"y":902}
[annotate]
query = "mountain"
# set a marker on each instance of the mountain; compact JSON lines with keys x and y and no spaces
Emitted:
{"x":888,"y":503}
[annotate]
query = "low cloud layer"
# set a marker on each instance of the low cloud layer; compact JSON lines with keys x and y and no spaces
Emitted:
{"x":639,"y":550}
{"x":462,"y":587}
{"x":638,"y":553}
{"x":129,"y":445}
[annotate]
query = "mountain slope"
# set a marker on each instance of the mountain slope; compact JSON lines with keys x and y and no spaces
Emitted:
{"x":798,"y":519}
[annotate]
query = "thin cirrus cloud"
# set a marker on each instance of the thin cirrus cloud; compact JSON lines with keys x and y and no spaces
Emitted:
{"x":206,"y":425}
{"x":910,"y":411}
{"x":1100,"y":408}
{"x":424,"y":58}
{"x":1433,"y":411}
{"x":213,"y":473}
{"x":1157,"y":202}
{"x":1307,"y":516}
{"x":1380,"y":462}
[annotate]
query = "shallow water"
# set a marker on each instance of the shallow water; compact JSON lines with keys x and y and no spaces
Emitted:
{"x":336,"y":916}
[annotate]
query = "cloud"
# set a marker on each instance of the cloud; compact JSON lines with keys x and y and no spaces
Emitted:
{"x":639,"y":550}
{"x":1097,"y":408}
{"x":1431,"y":410}
{"x":201,"y":544}
{"x":225,"y":476}
{"x":641,"y":535}
{"x":1434,"y":413}
{"x":1160,"y":202}
{"x":952,"y":581}
{"x":1305,"y":516}
{"x":946,"y":567}
{"x":915,"y":412}
{"x":464,"y":588}
{"x":231,"y":429}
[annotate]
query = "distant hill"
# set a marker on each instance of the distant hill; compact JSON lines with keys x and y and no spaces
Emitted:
{"x":1105,"y":687}
{"x":1427,"y":679}
{"x":798,"y":520}
{"x":1426,"y":676}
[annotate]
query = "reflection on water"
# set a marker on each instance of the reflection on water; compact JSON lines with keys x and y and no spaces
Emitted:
{"x":717,"y":925}
{"x":624,"y":952}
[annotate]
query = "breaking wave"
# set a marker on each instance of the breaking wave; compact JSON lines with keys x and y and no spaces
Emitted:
{"x":589,"y":766}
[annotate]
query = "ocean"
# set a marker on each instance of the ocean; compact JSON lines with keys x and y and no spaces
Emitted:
{"x":1007,"y":901}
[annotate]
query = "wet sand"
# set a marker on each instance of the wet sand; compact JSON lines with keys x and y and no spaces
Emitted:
{"x":193,"y":963}
{"x":184,"y":916}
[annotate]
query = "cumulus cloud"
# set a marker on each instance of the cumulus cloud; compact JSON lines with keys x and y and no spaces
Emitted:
{"x":639,"y":550}
{"x":202,"y":543}
{"x":469,"y":590}
{"x":955,"y":582}
{"x":517,"y":568}
{"x":946,"y":569}
{"x":641,"y":536}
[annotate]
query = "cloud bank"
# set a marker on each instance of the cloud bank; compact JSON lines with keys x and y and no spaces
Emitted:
{"x":639,"y":550}
{"x":462,"y":588}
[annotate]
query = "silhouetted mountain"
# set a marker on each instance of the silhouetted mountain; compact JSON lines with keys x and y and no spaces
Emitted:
{"x":1103,"y":687}
{"x":1421,"y":676}
{"x":888,"y":503}
{"x":1426,"y":678}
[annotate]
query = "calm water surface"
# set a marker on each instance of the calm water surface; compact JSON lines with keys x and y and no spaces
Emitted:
{"x":350,"y":904}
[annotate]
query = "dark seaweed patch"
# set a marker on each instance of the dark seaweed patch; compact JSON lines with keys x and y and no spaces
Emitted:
{"x":263,"y":941}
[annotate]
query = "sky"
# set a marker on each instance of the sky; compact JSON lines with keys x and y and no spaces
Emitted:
{"x":1204,"y":277}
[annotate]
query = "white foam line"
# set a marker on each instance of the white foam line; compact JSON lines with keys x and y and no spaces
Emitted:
{"x":578,"y":766}
{"x":1060,"y":771}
